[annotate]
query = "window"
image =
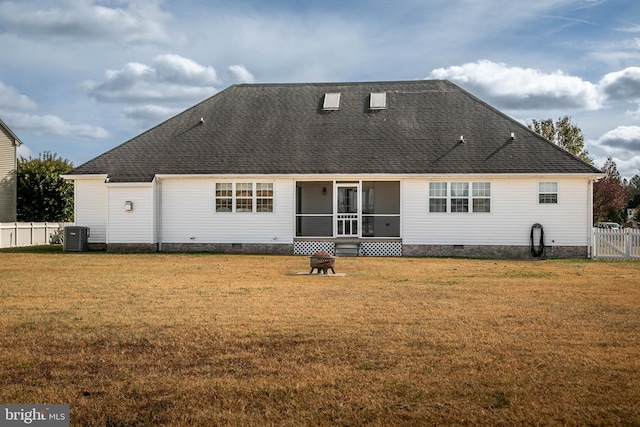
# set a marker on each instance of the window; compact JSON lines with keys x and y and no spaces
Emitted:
{"x":458,"y":198}
{"x":481,"y":193}
{"x":244,"y":197}
{"x":224,"y":197}
{"x":437,"y":197}
{"x":548,"y":192}
{"x":264,"y":197}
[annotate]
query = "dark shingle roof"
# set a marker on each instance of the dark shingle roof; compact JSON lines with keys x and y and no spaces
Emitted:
{"x":282,"y":129}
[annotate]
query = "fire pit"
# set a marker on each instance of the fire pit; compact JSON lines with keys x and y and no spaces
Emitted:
{"x":322,"y":261}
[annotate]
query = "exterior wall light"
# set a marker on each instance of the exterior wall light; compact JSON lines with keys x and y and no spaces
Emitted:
{"x":128,"y":206}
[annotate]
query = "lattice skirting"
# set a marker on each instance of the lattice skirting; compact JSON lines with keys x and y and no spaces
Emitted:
{"x":310,"y":248}
{"x":366,"y":248}
{"x":380,"y":249}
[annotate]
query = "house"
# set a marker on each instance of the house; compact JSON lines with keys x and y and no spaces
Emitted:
{"x":9,"y":143}
{"x":418,"y":168}
{"x":632,"y":208}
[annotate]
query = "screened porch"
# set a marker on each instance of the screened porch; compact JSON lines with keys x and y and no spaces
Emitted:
{"x":348,"y":209}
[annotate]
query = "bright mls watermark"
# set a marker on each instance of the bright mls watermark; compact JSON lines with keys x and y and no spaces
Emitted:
{"x":34,"y":415}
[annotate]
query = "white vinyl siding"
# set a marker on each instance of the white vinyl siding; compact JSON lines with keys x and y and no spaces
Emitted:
{"x":8,"y":181}
{"x":183,"y":210}
{"x":514,"y":209}
{"x":90,"y":208}
{"x":136,"y":225}
{"x":189,"y":213}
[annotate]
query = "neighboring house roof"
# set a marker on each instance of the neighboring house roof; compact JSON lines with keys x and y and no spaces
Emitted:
{"x":16,"y":140}
{"x":283,"y":129}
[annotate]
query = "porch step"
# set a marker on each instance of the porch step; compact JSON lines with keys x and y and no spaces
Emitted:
{"x":347,"y":249}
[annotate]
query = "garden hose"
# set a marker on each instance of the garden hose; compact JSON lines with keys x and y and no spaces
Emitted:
{"x":537,"y":252}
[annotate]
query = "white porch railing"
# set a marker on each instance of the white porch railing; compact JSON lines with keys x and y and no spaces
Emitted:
{"x":616,"y":243}
{"x":15,"y":234}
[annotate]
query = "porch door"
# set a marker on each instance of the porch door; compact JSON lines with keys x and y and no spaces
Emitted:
{"x":347,"y":210}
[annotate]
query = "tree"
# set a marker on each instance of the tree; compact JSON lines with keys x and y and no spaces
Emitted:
{"x":609,"y":195}
{"x":43,"y":195}
{"x":633,"y":186}
{"x":563,"y":133}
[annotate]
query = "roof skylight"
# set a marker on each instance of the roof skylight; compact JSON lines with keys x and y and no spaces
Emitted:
{"x":331,"y":101}
{"x":378,"y":101}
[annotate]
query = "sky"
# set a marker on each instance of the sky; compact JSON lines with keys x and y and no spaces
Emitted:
{"x":79,"y":77}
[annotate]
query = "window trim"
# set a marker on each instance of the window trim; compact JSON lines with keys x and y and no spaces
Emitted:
{"x":260,"y":198}
{"x":543,"y":194}
{"x":438,"y":197}
{"x":241,"y":192}
{"x":480,"y":191}
{"x":459,"y":201}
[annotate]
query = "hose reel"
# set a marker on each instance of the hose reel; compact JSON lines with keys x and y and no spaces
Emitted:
{"x":538,"y":251}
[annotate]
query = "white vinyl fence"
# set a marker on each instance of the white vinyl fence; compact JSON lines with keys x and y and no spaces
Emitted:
{"x":616,"y":243}
{"x":14,"y":234}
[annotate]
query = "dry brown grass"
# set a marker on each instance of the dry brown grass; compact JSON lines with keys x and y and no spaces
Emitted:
{"x":206,"y":339}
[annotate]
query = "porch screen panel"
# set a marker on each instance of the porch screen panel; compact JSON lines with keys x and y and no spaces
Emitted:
{"x":380,"y":209}
{"x":314,"y":209}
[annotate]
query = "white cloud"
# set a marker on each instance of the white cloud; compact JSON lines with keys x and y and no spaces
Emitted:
{"x":12,"y":100}
{"x":622,"y":144}
{"x":155,"y":92}
{"x":622,"y":137}
{"x":171,"y":79}
{"x":523,"y":88}
{"x":53,"y":125}
{"x":17,"y":110}
{"x":177,"y":69}
{"x":516,"y":88}
{"x":623,"y":85}
{"x":137,"y":22}
{"x":240,"y":74}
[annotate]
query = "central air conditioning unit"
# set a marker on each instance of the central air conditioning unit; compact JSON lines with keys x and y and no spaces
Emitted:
{"x":75,"y":239}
